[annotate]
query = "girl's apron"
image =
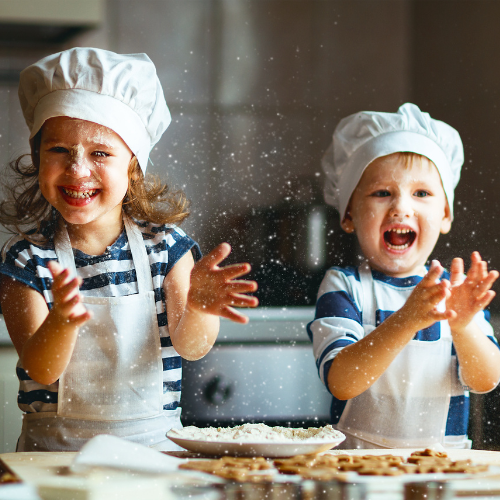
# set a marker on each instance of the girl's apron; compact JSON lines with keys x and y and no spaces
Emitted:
{"x":407,"y":407}
{"x":113,"y":383}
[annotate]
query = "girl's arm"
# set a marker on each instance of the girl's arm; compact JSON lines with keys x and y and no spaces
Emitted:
{"x":197,"y":295}
{"x":358,"y":366}
{"x":44,"y":340}
{"x":478,"y":356}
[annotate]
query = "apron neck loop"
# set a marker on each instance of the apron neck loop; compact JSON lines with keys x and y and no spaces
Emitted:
{"x":64,"y":253}
{"x":368,"y":306}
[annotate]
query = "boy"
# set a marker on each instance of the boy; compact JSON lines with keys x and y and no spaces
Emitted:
{"x":397,"y":347}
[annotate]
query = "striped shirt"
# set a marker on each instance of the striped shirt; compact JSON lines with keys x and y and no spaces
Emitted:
{"x":111,"y":274}
{"x":338,"y":323}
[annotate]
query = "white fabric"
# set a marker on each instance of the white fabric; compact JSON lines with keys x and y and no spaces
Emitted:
{"x":110,"y":451}
{"x":113,"y":383}
{"x":363,"y":137}
{"x":47,"y":431}
{"x":410,"y":400}
{"x":119,"y":91}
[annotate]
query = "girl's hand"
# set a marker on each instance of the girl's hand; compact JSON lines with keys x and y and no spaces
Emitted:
{"x":67,"y":301}
{"x":214,"y":289}
{"x":469,"y":294}
{"x":421,"y":307}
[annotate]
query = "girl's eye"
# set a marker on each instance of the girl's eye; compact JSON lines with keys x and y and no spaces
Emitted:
{"x":58,"y":149}
{"x":102,"y":154}
{"x":421,"y":193}
{"x":381,"y":193}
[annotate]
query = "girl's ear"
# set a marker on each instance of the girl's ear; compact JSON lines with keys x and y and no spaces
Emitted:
{"x":347,"y":224}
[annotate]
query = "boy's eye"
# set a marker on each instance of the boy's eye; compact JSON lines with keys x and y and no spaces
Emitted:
{"x":421,"y":193}
{"x":381,"y":193}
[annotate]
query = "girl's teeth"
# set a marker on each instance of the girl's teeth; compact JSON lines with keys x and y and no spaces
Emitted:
{"x":79,"y":194}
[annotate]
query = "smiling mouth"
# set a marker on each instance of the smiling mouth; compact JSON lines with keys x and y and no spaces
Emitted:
{"x":399,"y":239}
{"x":79,"y":195}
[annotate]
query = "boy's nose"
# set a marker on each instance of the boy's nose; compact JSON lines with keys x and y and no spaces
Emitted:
{"x":401,"y":207}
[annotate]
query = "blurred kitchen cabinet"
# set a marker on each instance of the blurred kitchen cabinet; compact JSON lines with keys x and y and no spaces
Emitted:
{"x":10,"y":414}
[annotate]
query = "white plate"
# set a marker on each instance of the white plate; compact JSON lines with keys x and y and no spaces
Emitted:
{"x":270,"y":449}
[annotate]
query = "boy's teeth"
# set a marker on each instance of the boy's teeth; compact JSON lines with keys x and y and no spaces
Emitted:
{"x":79,"y":194}
{"x":397,"y":247}
{"x":399,"y":238}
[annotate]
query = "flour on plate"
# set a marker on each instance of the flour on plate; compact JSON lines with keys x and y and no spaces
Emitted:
{"x":257,"y":433}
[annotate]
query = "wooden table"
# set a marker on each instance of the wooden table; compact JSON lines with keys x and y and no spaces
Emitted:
{"x":35,"y":467}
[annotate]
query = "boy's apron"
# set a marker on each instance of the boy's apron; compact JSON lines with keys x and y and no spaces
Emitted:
{"x":114,"y":381}
{"x":407,"y":407}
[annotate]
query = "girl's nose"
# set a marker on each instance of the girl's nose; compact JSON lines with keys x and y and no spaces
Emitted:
{"x":78,"y":168}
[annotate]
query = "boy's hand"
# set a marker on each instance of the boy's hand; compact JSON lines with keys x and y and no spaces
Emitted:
{"x":215,"y":290}
{"x":469,"y":294}
{"x":421,"y":307}
{"x":67,"y":300}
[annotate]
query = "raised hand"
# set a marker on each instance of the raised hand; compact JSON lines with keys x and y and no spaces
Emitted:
{"x":469,"y":293}
{"x":421,"y":308}
{"x":215,"y":290}
{"x":67,"y":301}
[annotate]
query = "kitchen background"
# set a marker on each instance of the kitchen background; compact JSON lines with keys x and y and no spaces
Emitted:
{"x":256,"y":88}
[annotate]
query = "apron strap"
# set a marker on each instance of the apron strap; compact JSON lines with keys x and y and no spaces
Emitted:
{"x":63,"y":249}
{"x":64,"y":253}
{"x":368,"y":307}
{"x":139,"y":255}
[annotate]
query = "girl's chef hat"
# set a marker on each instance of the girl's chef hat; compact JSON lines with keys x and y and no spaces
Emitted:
{"x":120,"y":91}
{"x":361,"y":138}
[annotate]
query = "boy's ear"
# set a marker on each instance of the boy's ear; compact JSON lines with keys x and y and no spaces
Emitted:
{"x":347,"y":224}
{"x":446,"y":222}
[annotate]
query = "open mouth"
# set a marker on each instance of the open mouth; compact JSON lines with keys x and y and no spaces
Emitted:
{"x":79,"y":195}
{"x":399,"y":239}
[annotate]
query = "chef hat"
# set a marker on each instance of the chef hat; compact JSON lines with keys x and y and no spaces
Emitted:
{"x":121,"y":92}
{"x":362,"y":137}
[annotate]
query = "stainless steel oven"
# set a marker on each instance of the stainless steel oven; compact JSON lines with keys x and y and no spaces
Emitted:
{"x":263,"y":371}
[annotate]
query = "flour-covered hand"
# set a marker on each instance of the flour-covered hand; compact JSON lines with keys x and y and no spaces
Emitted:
{"x":470,"y":293}
{"x":421,"y":308}
{"x":67,"y":302}
{"x":216,"y":290}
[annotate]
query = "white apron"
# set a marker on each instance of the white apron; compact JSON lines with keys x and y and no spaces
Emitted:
{"x":114,"y":381}
{"x":407,"y":407}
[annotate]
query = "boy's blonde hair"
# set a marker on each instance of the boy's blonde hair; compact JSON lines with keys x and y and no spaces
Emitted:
{"x":25,"y":210}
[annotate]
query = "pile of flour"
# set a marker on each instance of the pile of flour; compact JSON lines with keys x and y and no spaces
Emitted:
{"x":257,"y":433}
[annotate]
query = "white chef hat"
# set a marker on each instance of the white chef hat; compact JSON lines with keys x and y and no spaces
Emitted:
{"x":362,"y":137}
{"x":120,"y":91}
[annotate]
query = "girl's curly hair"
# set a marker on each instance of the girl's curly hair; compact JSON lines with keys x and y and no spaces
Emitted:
{"x":25,"y":211}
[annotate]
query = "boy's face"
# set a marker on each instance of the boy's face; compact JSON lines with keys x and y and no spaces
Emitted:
{"x":397,"y":213}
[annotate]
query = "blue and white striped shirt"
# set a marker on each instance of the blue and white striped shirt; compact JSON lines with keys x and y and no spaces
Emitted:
{"x":111,"y":274}
{"x":338,"y":323}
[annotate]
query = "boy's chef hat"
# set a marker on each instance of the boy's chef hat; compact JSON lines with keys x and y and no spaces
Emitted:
{"x":362,"y":137}
{"x":121,"y":92}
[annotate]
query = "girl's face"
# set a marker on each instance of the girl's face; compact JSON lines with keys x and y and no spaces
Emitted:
{"x":398,"y":213}
{"x":83,"y":170}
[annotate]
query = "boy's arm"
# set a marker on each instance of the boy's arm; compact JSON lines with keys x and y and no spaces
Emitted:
{"x":198,"y":294}
{"x":359,"y":365}
{"x":478,"y":356}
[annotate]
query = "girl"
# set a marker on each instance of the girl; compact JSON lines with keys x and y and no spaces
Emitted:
{"x":105,"y":282}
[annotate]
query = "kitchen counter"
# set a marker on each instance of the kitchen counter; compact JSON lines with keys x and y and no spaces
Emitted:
{"x":36,"y":468}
